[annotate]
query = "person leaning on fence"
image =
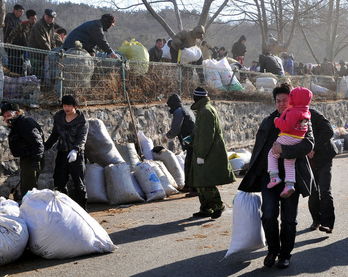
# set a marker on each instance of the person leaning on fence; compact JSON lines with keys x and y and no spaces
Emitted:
{"x":256,"y":179}
{"x":156,"y":52}
{"x":182,"y":126}
{"x":26,"y":141}
{"x":92,"y":34}
{"x":70,"y":129}
{"x":320,"y":202}
{"x":59,"y":37}
{"x":12,"y":20}
{"x":210,"y":165}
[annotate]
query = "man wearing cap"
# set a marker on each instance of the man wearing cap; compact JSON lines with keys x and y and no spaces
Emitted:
{"x":92,"y":34}
{"x":210,"y":165}
{"x":26,"y":141}
{"x":70,"y":129}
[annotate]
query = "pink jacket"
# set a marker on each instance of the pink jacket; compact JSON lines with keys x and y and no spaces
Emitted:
{"x":294,"y":120}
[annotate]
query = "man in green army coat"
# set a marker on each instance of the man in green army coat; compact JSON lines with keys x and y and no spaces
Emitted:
{"x":210,"y":166}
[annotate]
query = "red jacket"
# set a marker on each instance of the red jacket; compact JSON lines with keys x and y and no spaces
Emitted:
{"x":294,"y":120}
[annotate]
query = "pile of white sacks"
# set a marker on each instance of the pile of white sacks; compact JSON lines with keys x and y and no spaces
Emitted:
{"x":117,"y":176}
{"x":52,"y":225}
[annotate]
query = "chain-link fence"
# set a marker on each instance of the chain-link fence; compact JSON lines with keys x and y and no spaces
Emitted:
{"x":33,"y":76}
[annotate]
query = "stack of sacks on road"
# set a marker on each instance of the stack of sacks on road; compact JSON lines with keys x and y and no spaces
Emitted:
{"x":117,"y":176}
{"x":14,"y":234}
{"x":59,"y":228}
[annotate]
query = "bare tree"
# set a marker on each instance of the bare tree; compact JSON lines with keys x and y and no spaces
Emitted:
{"x":209,"y":11}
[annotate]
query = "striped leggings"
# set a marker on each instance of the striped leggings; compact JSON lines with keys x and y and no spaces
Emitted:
{"x":289,"y":164}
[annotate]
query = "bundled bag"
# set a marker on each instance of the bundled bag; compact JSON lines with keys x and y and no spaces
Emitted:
{"x":189,"y":55}
{"x":267,"y":83}
{"x":100,"y":148}
{"x":137,"y":186}
{"x":247,"y":231}
{"x":170,"y":161}
{"x":138,"y":54}
{"x":166,"y":182}
{"x":14,"y":234}
{"x":129,"y":154}
{"x":59,"y":228}
{"x":119,"y":185}
{"x":146,"y":145}
{"x":181,"y":159}
{"x":149,"y":182}
{"x":95,"y":184}
{"x":166,"y":52}
{"x":239,"y":159}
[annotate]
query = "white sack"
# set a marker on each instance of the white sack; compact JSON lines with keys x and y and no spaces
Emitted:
{"x":146,"y":145}
{"x":95,"y":184}
{"x":149,"y":182}
{"x":267,"y":83}
{"x":166,"y":52}
{"x":170,"y":161}
{"x":165,"y":181}
{"x":181,"y":159}
{"x":247,"y":231}
{"x":119,"y":185}
{"x":100,"y":148}
{"x":59,"y":228}
{"x":14,"y":234}
{"x":129,"y":154}
{"x":166,"y":172}
{"x":189,"y":55}
{"x":137,"y":186}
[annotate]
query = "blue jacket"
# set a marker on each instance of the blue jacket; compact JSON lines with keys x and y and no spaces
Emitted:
{"x":90,"y":34}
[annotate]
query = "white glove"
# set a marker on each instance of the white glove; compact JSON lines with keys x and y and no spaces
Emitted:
{"x":200,"y":161}
{"x":72,"y":156}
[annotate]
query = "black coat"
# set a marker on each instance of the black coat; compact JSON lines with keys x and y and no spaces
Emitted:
{"x":238,"y":49}
{"x":257,"y":176}
{"x":155,"y":54}
{"x":70,"y":135}
{"x":270,"y":64}
{"x":324,"y":148}
{"x":26,"y":139}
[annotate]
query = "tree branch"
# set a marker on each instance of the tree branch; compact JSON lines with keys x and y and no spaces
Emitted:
{"x":211,"y":20}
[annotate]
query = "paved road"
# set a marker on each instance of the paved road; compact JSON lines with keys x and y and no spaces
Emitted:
{"x":160,"y":239}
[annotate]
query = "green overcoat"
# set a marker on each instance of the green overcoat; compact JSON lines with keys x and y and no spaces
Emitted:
{"x":209,"y":145}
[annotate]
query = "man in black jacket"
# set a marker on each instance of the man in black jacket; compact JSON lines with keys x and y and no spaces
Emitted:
{"x":12,"y":20}
{"x":156,"y":52}
{"x":70,"y":129}
{"x":256,"y":180}
{"x":26,"y":141}
{"x":182,"y":126}
{"x":92,"y":34}
{"x":320,"y":202}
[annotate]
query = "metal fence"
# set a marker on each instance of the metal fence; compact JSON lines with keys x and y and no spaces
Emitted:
{"x":37,"y":77}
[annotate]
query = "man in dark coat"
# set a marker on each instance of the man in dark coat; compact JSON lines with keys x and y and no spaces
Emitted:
{"x":269,"y":63}
{"x":12,"y":20}
{"x":70,"y":129}
{"x":182,"y":127}
{"x":26,"y":141}
{"x":257,"y":178}
{"x":210,"y":165}
{"x":320,"y":202}
{"x":92,"y":34}
{"x":239,"y":49}
{"x":156,"y":52}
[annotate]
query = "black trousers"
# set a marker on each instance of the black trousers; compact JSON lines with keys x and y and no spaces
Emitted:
{"x":76,"y":170}
{"x":282,"y":242}
{"x":29,"y":174}
{"x":320,"y":202}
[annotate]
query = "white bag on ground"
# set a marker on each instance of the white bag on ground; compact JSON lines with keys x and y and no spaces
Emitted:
{"x":59,"y":228}
{"x":181,"y":159}
{"x":166,"y":172}
{"x":149,"y":182}
{"x":189,"y":55}
{"x":247,"y":231}
{"x":14,"y":234}
{"x":170,"y":161}
{"x":146,"y":145}
{"x":165,"y":181}
{"x":100,"y":148}
{"x":129,"y":154}
{"x":95,"y":184}
{"x":137,"y":186}
{"x":119,"y":185}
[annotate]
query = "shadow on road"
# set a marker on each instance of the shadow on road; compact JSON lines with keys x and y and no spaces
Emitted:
{"x":151,"y":231}
{"x":311,"y":261}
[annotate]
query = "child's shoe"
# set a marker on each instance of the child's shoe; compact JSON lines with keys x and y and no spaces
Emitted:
{"x":273,"y":182}
{"x":287,"y":191}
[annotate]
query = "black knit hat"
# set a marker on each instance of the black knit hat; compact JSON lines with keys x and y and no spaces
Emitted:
{"x":69,"y":100}
{"x":199,"y":91}
{"x":6,"y":106}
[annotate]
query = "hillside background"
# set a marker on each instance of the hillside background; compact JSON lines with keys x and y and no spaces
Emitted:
{"x":141,"y":26}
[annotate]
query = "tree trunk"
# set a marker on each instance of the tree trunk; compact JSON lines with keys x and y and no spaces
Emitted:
{"x":211,"y":20}
{"x":205,"y":12}
{"x":177,"y":15}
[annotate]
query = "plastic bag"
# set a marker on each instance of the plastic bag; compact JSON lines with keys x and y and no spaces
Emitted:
{"x":167,"y":181}
{"x":59,"y":228}
{"x":138,"y":54}
{"x":189,"y":55}
{"x":129,"y":154}
{"x":95,"y":184}
{"x":119,"y":185}
{"x":146,"y":145}
{"x":247,"y":231}
{"x":267,"y":83}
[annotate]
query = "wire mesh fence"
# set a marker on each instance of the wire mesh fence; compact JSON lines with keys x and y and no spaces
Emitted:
{"x":32,"y":76}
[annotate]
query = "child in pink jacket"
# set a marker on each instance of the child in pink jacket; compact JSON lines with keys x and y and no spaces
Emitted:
{"x":293,"y":125}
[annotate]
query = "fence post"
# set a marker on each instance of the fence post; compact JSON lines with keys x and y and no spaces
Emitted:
{"x":180,"y":79}
{"x":59,"y":84}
